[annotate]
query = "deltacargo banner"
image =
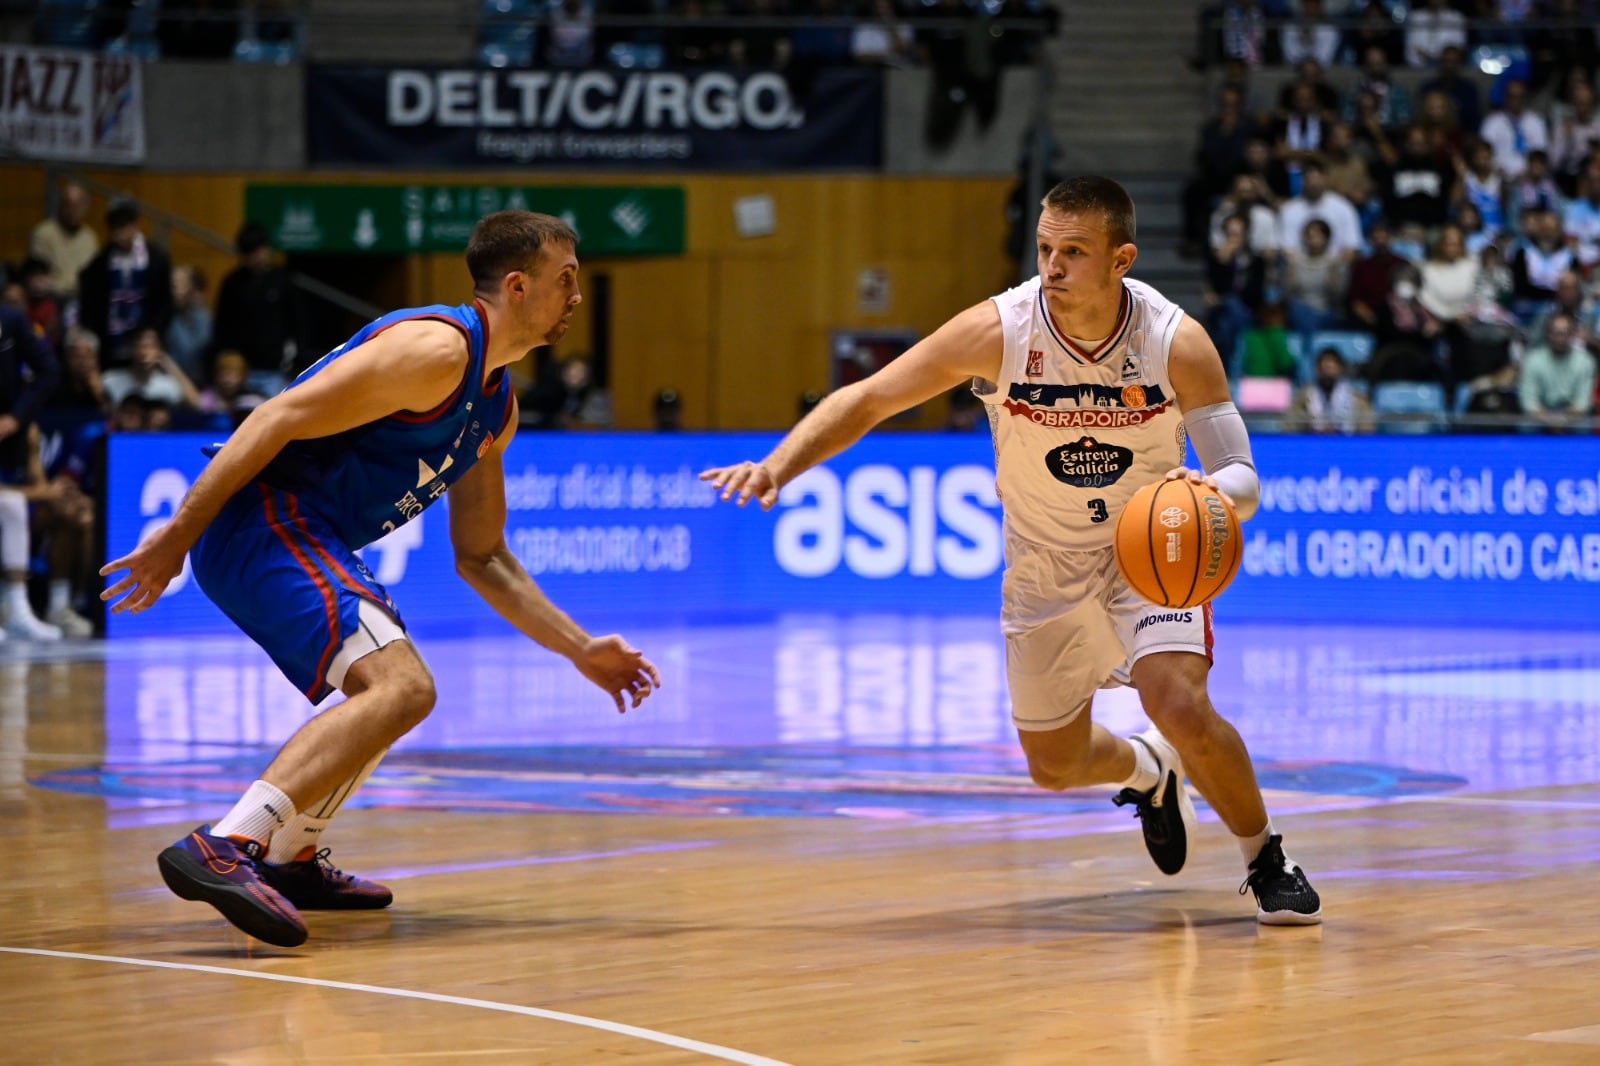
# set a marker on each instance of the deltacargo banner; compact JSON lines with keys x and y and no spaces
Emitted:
{"x":640,"y":119}
{"x":71,"y":106}
{"x":1464,"y":530}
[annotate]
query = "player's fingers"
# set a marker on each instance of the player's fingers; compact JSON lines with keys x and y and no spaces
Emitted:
{"x":119,"y":588}
{"x":616,"y":697}
{"x":712,"y":474}
{"x":112,"y":567}
{"x":768,"y":499}
{"x":655,"y":675}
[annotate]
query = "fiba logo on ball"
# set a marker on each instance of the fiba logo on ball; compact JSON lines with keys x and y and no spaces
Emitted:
{"x":1177,"y":543}
{"x":1173,"y":517}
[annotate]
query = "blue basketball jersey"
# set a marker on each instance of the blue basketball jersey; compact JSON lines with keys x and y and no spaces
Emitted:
{"x":372,"y":479}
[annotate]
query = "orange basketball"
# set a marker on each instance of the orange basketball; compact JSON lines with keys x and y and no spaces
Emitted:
{"x":1178,"y":544}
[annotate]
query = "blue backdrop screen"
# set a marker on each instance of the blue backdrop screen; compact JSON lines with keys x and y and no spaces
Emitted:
{"x":1470,"y":530}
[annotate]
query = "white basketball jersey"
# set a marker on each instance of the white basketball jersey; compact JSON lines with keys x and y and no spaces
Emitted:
{"x":1077,"y":432}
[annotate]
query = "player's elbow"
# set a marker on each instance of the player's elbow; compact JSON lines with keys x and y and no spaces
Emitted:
{"x":474,"y":565}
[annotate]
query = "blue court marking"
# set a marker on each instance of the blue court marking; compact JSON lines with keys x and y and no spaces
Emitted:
{"x":792,"y":780}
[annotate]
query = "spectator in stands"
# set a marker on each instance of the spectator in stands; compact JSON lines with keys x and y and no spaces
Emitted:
{"x":1311,"y":35}
{"x":1577,"y":304}
{"x":43,"y":305}
{"x":1496,"y":285}
{"x":1316,"y":284}
{"x":228,"y":398}
{"x":1436,"y":117}
{"x":81,"y":388}
{"x":1473,"y":231}
{"x":188,"y":336}
{"x":1449,"y":292}
{"x":1432,"y":28}
{"x":1249,"y":199}
{"x":1558,"y":379}
{"x":1218,"y":158}
{"x":151,"y":374}
{"x":130,"y":415}
{"x":28,"y":375}
{"x":1407,"y":334}
{"x":1370,"y":277}
{"x":1244,"y":32}
{"x":1259,"y":163}
{"x":1575,"y":138}
{"x":1513,"y":130}
{"x":960,"y":56}
{"x":883,"y":37}
{"x":1266,"y":346}
{"x":1581,"y":219}
{"x":1298,"y":133}
{"x":126,"y":287}
{"x":1542,"y":256}
{"x":1565,"y":45}
{"x":63,"y":521}
{"x":1418,"y":190}
{"x":1463,"y":93}
{"x":1393,"y":101}
{"x":1346,"y":169}
{"x":1482,"y":185}
{"x":570,"y":34}
{"x":1235,"y":284}
{"x":259,"y":313}
{"x":1315,"y":201}
{"x":1310,"y":72}
{"x":1371,"y":138}
{"x":1375,"y":28}
{"x":1534,"y":189}
{"x":1330,"y":403}
{"x":64,"y":241}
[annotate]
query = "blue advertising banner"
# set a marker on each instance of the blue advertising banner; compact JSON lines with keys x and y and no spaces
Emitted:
{"x":1454,"y":530}
{"x":631,"y":119}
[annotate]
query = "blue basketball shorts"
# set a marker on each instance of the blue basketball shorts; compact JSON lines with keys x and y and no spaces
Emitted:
{"x":281,"y":573}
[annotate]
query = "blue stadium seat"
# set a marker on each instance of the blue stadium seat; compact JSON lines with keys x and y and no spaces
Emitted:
{"x":1409,"y":406}
{"x":636,"y":55}
{"x":506,"y":33}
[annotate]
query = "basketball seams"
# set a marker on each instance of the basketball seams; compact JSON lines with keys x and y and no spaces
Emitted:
{"x":1199,"y":543}
{"x":1151,"y":536}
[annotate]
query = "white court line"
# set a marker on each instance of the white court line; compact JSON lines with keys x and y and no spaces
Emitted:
{"x":713,"y":1050}
{"x":1492,"y":801}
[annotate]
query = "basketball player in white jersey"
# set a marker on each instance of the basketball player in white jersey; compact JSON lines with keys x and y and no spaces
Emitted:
{"x":1092,"y":381}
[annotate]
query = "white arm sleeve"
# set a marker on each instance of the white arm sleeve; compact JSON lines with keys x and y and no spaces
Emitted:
{"x":1223,"y":445}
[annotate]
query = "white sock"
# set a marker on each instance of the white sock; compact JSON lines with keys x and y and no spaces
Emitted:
{"x":260,"y":813}
{"x":1251,"y":846}
{"x":17,"y":600}
{"x":304,"y":830}
{"x":60,"y":595}
{"x":1146,"y":771}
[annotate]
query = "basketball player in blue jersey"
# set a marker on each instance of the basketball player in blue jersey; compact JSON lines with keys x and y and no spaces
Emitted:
{"x":416,"y":405}
{"x":1092,"y":381}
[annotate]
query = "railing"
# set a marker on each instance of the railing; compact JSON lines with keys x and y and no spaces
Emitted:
{"x":1492,"y":45}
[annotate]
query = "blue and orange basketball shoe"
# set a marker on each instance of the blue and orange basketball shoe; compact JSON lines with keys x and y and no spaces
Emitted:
{"x":225,"y":873}
{"x":312,"y":883}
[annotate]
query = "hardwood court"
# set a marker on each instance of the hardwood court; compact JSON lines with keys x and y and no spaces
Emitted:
{"x":818,"y":849}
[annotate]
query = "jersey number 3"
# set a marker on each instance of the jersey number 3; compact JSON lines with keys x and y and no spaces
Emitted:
{"x":1097,"y":511}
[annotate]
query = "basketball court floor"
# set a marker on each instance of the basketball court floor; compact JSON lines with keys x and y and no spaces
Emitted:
{"x":816,"y":845}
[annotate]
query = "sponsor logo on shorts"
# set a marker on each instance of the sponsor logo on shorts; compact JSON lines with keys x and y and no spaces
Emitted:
{"x":1148,"y":620}
{"x":1088,"y":464}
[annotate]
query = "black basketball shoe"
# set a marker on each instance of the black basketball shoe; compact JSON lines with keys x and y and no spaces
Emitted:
{"x":1283,"y":895}
{"x":1165,"y":811}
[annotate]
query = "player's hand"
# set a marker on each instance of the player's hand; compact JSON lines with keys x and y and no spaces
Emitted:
{"x":151,"y":567}
{"x":745,"y":480}
{"x":619,"y":668}
{"x":1197,"y":477}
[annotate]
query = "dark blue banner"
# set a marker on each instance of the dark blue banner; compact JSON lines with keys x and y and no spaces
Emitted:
{"x":1455,"y":530}
{"x":628,"y":119}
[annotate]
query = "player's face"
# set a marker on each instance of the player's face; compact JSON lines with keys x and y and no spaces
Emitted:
{"x":554,"y":293}
{"x":1079,"y":267}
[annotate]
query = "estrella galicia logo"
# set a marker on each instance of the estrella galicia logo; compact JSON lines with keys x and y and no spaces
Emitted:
{"x":1088,"y":464}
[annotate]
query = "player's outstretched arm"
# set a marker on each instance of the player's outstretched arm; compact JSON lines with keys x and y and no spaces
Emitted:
{"x":967,"y":346}
{"x":412,"y":366}
{"x":485,"y":562}
{"x":1213,"y":423}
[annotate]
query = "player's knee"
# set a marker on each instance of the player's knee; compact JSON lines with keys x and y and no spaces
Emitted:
{"x":1183,"y":713}
{"x":413,"y":697}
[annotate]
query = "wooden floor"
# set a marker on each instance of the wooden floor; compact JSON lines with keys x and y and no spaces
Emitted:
{"x":1461,"y":923}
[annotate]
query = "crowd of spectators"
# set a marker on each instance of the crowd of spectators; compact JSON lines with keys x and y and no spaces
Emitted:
{"x":1416,"y":221}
